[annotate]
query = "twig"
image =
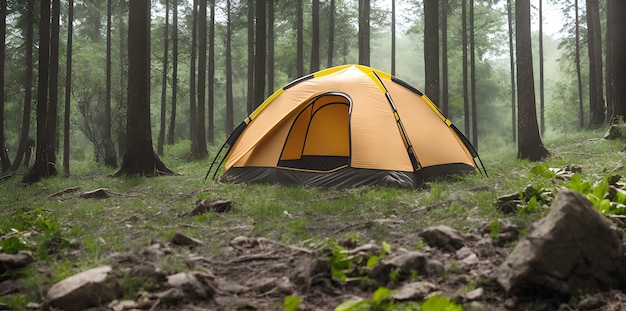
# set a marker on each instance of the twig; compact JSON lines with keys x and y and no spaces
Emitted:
{"x":295,"y":248}
{"x":64,"y":191}
{"x":5,"y":177}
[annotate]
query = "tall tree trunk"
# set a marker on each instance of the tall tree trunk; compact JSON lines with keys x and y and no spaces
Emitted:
{"x":299,"y":39}
{"x":211,"y":78}
{"x":542,"y":123}
{"x":529,"y":145}
{"x":616,"y":21}
{"x":161,"y":139}
{"x":250,"y":97}
{"x":229,"y":72}
{"x":41,"y":168}
{"x":53,"y":88}
{"x":609,"y":84}
{"x":581,"y":109}
{"x":431,"y":49}
{"x":140,"y":158}
{"x":4,"y":157}
{"x":466,"y":110}
{"x":259,"y":55}
{"x":393,"y":37}
{"x":171,"y":131}
{"x":202,"y":49}
{"x":193,"y":112}
{"x":473,"y":77}
{"x":594,"y":39}
{"x":270,"y":47}
{"x":68,"y":89}
{"x":364,"y":32}
{"x":512,"y":61}
{"x":28,"y":87}
{"x":331,"y":34}
{"x":444,"y":58}
{"x":121,"y":96}
{"x":110,"y":157}
{"x":315,"y":41}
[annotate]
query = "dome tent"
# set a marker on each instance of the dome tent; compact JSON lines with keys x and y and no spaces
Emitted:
{"x":342,"y":127}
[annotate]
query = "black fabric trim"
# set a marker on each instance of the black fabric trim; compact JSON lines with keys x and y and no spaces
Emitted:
{"x":316,"y":163}
{"x":407,"y":85}
{"x":296,"y":81}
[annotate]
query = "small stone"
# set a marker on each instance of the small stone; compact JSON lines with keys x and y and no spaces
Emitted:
{"x":414,"y":291}
{"x":443,"y":237}
{"x":475,"y":294}
{"x":181,"y":239}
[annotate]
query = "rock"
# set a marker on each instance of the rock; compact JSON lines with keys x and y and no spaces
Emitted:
{"x":204,"y":206}
{"x":11,"y":262}
{"x":434,"y":267}
{"x":262,"y":285}
{"x":120,"y":305}
{"x":406,"y":265}
{"x":572,"y":249}
{"x":475,"y":294}
{"x":591,"y":303}
{"x":443,"y":237}
{"x":613,"y":132}
{"x":181,"y":239}
{"x":90,"y":288}
{"x":99,"y":193}
{"x":196,"y":284}
{"x":414,"y":291}
{"x":314,"y":269}
{"x":10,"y":286}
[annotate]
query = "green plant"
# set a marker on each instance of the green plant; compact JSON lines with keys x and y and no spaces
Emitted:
{"x":291,"y":303}
{"x":380,"y":301}
{"x":440,"y":303}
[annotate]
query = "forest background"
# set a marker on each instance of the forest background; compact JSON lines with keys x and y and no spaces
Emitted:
{"x":202,"y":65}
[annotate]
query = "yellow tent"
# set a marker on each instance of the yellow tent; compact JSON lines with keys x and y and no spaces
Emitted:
{"x":346,"y":126}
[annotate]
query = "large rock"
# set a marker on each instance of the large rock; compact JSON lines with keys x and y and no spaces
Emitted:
{"x":11,"y":262}
{"x":573,"y":249}
{"x":90,"y":288}
{"x":443,"y":237}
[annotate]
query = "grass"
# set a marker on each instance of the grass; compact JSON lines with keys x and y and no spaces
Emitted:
{"x":146,"y":210}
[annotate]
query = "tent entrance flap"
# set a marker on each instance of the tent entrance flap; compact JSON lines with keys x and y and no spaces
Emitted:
{"x":319,"y":137}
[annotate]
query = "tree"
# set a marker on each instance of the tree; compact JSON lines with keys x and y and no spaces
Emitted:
{"x":581,"y":112}
{"x":473,"y":76}
{"x":594,"y":43}
{"x":364,"y":32}
{"x":299,"y":39}
{"x":229,"y":71}
{"x":140,"y":158}
{"x":465,"y":78}
{"x":542,"y":123}
{"x":171,"y":130}
{"x":211,"y":77}
{"x":68,"y":89}
{"x":616,"y":21}
{"x":259,"y":55}
{"x":202,"y":51}
{"x":4,"y":157}
{"x":444,"y":62}
{"x":28,"y":86}
{"x":193,"y":118}
{"x":250,"y":97}
{"x":431,"y":49}
{"x":270,"y":46}
{"x":315,"y":41}
{"x":529,"y":144}
{"x":512,"y":63}
{"x":110,"y":157}
{"x":331,"y":33}
{"x":161,"y":139}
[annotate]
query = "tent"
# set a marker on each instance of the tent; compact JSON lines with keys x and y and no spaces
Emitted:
{"x":342,"y":127}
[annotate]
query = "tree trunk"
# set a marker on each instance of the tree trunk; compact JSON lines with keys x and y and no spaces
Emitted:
{"x":466,"y":111}
{"x":193,"y":113}
{"x":444,"y":58}
{"x":211,"y":78}
{"x":41,"y":168}
{"x":110,"y":157}
{"x":259,"y":55}
{"x":315,"y":41}
{"x":431,"y":49}
{"x":229,"y":72}
{"x":68,"y":89}
{"x":609,"y":85}
{"x":331,"y":34}
{"x":529,"y":144}
{"x":28,"y":87}
{"x":364,"y":32}
{"x":270,"y":47}
{"x":202,"y":49}
{"x":171,"y":132}
{"x":616,"y":20}
{"x":140,"y":158}
{"x":581,"y":109}
{"x":4,"y":157}
{"x":250,"y":97}
{"x":473,"y":77}
{"x":542,"y":123}
{"x":161,"y":139}
{"x":594,"y":39}
{"x":299,"y":40}
{"x":512,"y":61}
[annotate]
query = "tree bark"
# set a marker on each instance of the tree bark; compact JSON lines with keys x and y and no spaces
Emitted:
{"x":68,"y":89}
{"x":110,"y":157}
{"x":431,"y":49}
{"x":270,"y":46}
{"x":473,"y":77}
{"x":202,"y":51}
{"x":229,"y":71}
{"x":542,"y":123}
{"x":331,"y":34}
{"x":299,"y":40}
{"x":250,"y":97}
{"x":512,"y":61}
{"x":315,"y":40}
{"x":444,"y":58}
{"x":594,"y":41}
{"x":616,"y":20}
{"x":171,"y":131}
{"x":529,"y":143}
{"x":140,"y":158}
{"x":193,"y":113}
{"x":211,"y":78}
{"x":364,"y":32}
{"x":466,"y":110}
{"x":4,"y":157}
{"x":163,"y":110}
{"x":259,"y":55}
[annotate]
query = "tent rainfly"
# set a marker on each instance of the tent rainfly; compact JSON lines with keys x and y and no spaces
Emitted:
{"x":343,"y":127}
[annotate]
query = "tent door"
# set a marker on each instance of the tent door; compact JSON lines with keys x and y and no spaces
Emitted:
{"x":319,"y":138}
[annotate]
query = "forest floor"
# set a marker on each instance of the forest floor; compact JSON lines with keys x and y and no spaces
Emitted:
{"x":286,"y":248}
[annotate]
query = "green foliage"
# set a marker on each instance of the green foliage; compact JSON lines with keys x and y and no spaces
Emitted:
{"x":340,"y":261}
{"x":380,"y":301}
{"x":291,"y":303}
{"x":440,"y":303}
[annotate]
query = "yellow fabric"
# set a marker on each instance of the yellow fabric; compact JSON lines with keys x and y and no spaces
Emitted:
{"x":287,"y":125}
